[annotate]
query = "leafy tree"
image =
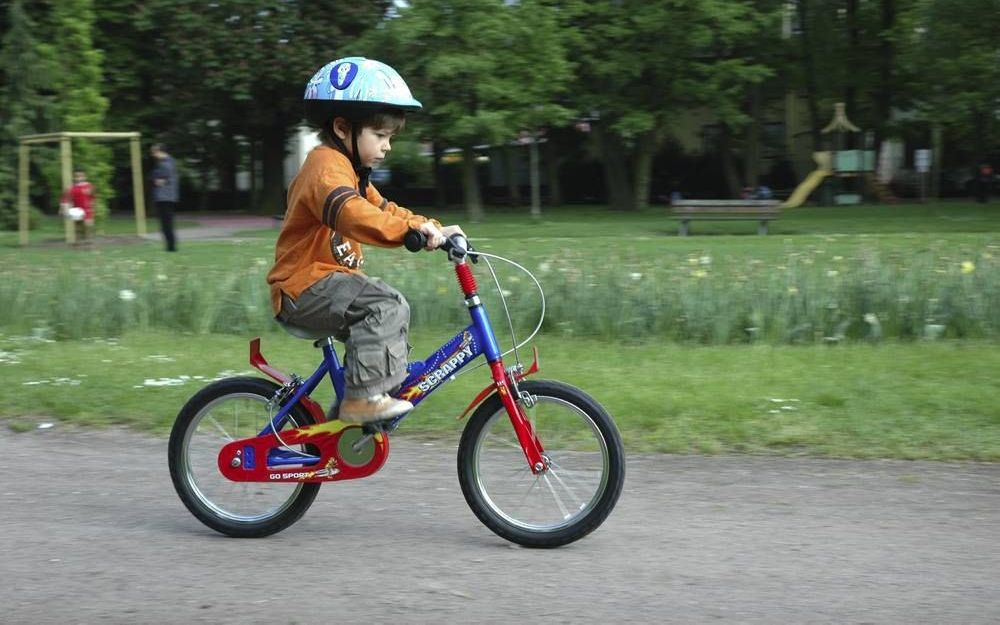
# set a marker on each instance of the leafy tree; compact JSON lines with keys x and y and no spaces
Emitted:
{"x":485,"y":70}
{"x":949,"y":54}
{"x":74,"y":65}
{"x":235,"y":70}
{"x":21,"y":101}
{"x":641,"y":63}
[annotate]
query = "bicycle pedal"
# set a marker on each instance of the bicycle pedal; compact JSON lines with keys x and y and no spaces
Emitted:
{"x":379,"y":427}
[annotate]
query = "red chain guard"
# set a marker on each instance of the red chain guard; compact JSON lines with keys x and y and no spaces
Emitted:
{"x":333,"y":465}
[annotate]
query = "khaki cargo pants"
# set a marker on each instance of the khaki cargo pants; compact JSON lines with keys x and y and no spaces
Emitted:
{"x":369,"y":316}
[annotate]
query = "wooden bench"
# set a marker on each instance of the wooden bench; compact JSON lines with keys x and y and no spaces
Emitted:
{"x":761,"y":211}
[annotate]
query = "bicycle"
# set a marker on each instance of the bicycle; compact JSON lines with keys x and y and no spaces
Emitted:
{"x":540,"y":462}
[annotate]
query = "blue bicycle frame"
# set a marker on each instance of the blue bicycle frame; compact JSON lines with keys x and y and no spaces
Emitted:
{"x":424,"y":376}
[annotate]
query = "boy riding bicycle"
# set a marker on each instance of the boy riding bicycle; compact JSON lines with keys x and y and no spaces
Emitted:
{"x":357,"y":105}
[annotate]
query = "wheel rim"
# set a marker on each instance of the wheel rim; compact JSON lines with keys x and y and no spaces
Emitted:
{"x":577,"y":454}
{"x":229,"y":418}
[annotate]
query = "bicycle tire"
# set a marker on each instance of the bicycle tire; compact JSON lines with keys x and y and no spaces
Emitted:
{"x":193,"y":485}
{"x":593,"y":460}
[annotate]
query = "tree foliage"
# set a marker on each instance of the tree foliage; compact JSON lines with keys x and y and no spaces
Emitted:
{"x":221,"y":82}
{"x":485,"y":70}
{"x":22,"y":100}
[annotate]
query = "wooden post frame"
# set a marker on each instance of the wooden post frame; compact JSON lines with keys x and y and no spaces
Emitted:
{"x":64,"y":139}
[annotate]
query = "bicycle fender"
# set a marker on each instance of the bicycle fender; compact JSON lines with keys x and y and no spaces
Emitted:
{"x":260,"y":363}
{"x":486,"y":392}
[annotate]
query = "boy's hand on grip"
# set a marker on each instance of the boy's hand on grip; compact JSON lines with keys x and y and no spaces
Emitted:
{"x":435,"y":238}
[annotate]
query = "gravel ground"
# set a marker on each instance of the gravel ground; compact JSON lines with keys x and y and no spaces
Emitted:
{"x":101,"y":537}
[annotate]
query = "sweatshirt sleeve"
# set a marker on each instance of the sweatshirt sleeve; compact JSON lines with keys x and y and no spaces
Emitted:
{"x":395,"y":209}
{"x":371,"y":220}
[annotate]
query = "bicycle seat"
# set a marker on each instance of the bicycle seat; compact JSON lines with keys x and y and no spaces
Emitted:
{"x":303,"y":333}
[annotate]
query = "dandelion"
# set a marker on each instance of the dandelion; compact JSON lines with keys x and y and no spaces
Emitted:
{"x":700,"y":273}
{"x":838,"y":258}
{"x":705,"y":260}
{"x":544,"y":267}
{"x":792,"y":290}
{"x":126,"y":295}
{"x":832,"y":273}
{"x":161,"y":277}
{"x":968,"y":266}
{"x":261,"y":262}
{"x":692,"y":260}
{"x":635,"y":275}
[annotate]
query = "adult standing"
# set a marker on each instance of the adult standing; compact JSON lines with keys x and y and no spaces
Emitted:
{"x":166,"y":193}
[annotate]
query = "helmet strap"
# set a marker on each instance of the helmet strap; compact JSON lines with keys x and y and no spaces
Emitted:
{"x":359,"y":169}
{"x":362,"y":172}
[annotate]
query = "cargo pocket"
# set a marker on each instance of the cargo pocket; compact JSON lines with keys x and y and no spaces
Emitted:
{"x":395,"y":359}
{"x":370,"y":365}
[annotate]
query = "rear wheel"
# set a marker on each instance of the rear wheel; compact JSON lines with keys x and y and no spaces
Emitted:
{"x":220,"y":413}
{"x":566,"y":501}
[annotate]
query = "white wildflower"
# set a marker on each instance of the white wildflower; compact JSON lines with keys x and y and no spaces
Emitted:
{"x":126,"y":295}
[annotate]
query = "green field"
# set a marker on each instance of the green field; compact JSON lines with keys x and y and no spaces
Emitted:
{"x":652,"y":325}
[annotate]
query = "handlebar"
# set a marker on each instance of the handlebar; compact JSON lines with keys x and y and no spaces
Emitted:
{"x":457,"y":246}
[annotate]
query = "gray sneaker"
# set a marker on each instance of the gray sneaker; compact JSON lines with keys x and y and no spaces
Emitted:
{"x":377,"y":408}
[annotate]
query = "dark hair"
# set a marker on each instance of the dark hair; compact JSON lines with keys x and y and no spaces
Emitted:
{"x":393,"y":120}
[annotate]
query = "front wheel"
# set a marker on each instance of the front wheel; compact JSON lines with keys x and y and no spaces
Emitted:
{"x":564,"y":502}
{"x":225,"y":411}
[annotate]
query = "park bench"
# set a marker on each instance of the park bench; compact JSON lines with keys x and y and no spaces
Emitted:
{"x":761,"y":211}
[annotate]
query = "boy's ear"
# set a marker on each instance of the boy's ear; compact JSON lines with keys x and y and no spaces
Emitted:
{"x":341,"y":128}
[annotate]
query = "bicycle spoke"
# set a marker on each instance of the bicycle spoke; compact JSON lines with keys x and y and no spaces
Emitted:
{"x":219,"y":427}
{"x":503,"y":440}
{"x":576,"y":499}
{"x":555,"y":495}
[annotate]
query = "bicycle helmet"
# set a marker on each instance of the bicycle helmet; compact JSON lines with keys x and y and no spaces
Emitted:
{"x":353,"y":87}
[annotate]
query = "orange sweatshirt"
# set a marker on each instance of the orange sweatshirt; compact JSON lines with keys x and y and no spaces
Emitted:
{"x":326,"y":222}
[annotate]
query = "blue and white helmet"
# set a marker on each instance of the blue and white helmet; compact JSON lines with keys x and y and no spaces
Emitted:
{"x":355,"y":86}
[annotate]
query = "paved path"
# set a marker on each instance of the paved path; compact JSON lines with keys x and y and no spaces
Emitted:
{"x":220,"y":226}
{"x":92,"y":532}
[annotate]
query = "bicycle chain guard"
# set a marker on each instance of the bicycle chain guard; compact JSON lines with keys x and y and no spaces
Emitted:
{"x":335,"y":451}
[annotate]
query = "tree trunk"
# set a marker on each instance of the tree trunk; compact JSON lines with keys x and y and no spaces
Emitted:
{"x":616,"y":176}
{"x":510,"y":154}
{"x":535,"y":177}
{"x":852,"y":59}
{"x":440,"y":186}
{"x":729,"y":164}
{"x":552,"y":163}
{"x":887,"y":57}
{"x":470,"y":185}
{"x":937,"y":157}
{"x":227,"y":168}
{"x":272,"y":195}
{"x":645,"y":148}
{"x":809,"y":69}
{"x":751,"y":160}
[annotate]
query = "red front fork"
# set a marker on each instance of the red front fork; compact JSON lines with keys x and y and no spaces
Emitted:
{"x":530,"y":444}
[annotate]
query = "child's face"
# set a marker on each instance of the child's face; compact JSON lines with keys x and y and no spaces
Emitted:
{"x":373,"y":146}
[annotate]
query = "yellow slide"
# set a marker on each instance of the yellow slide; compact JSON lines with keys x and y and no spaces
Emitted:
{"x":812,"y":181}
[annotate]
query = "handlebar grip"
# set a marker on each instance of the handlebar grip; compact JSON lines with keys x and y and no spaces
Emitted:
{"x":415,"y":240}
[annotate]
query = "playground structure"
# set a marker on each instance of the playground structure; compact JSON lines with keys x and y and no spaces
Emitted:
{"x":851,"y":168}
{"x":66,"y":157}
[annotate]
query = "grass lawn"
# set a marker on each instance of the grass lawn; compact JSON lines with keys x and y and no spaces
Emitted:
{"x":912,"y":399}
{"x":925,"y":400}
